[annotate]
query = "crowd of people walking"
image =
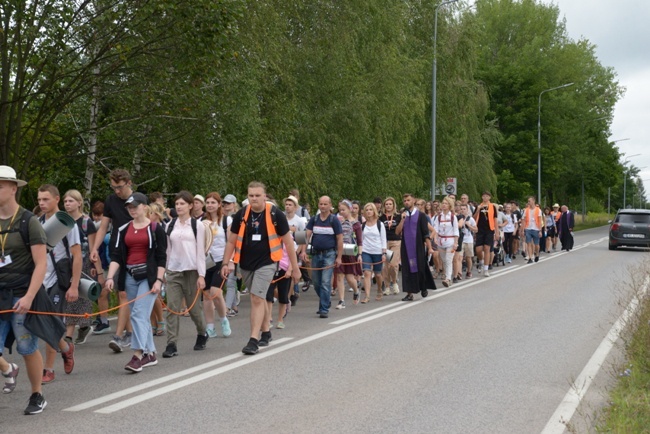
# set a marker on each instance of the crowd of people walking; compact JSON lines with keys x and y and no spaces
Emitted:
{"x":198,"y":257}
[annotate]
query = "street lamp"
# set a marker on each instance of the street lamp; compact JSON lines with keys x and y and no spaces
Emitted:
{"x":433,"y":98}
{"x":625,"y":178}
{"x":539,"y":139}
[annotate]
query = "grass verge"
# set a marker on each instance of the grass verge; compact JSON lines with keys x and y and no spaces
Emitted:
{"x":629,"y":409}
{"x":593,"y":220}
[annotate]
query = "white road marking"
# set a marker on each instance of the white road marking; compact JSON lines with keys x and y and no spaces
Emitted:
{"x":107,"y":398}
{"x":568,"y":406}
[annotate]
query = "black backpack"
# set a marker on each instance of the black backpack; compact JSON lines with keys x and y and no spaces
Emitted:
{"x":170,"y":226}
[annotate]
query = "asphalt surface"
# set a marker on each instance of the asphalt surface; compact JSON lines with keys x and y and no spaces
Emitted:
{"x":488,"y":355}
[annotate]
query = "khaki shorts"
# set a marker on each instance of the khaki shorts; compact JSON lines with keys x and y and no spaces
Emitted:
{"x":258,"y":281}
{"x":468,"y":250}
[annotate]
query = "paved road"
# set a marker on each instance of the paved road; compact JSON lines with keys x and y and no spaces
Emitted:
{"x":490,"y":355}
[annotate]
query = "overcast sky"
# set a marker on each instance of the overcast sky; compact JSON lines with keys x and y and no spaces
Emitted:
{"x":620,"y":29}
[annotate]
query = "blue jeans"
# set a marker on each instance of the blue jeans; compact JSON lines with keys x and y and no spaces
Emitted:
{"x":26,"y":343}
{"x":142,"y":338}
{"x":322,"y":279}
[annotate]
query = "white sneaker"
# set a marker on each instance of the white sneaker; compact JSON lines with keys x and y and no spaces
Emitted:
{"x":487,"y":273}
{"x":395,"y":288}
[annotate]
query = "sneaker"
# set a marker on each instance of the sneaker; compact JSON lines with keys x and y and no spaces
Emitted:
{"x":126,"y":340}
{"x":455,"y":280}
{"x":149,"y":360}
{"x":280,"y":325}
{"x":82,"y":336}
{"x":265,"y":339}
{"x":10,"y":378}
{"x":489,"y":267}
{"x":68,"y":358}
{"x":101,"y":329}
{"x":468,"y":275}
{"x":96,"y":322}
{"x":170,"y":351}
{"x":231,"y":313}
{"x":341,"y":305}
{"x":395,"y":287}
{"x":116,"y":344}
{"x":324,"y":315}
{"x":48,"y":376}
{"x":251,"y":347}
{"x":530,"y":261}
{"x":225,"y":328}
{"x":487,"y":273}
{"x":201,"y":340}
{"x":293,"y":298}
{"x":36,"y":404}
{"x":386,"y":292}
{"x":536,"y":258}
{"x":212,"y":333}
{"x":480,"y":269}
{"x":134,"y":365}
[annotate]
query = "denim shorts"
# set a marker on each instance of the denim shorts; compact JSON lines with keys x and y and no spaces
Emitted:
{"x":532,"y":236}
{"x":26,"y":343}
{"x":372,"y":262}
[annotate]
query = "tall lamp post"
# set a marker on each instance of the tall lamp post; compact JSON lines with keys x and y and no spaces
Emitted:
{"x":433,"y":98}
{"x":625,"y":172}
{"x":539,"y":139}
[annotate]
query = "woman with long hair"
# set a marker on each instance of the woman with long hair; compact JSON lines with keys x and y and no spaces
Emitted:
{"x":213,"y":293}
{"x":446,"y":227}
{"x":156,"y":213}
{"x":138,"y":264}
{"x":374,"y":251}
{"x":73,"y":204}
{"x":391,"y":218}
{"x":350,"y":268}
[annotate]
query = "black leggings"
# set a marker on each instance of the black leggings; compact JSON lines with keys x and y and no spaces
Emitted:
{"x":507,"y":244}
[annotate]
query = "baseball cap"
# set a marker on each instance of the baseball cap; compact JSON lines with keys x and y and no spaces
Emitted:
{"x":229,"y":199}
{"x":136,"y":199}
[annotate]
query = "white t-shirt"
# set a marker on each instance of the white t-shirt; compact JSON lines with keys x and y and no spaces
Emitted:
{"x":510,"y":226}
{"x":468,"y":236}
{"x":532,"y":222}
{"x":218,"y":239}
{"x":59,"y":252}
{"x":374,"y":243}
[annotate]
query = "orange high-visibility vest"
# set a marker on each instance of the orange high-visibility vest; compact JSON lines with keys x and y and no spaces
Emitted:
{"x":275,"y":243}
{"x":538,"y":217}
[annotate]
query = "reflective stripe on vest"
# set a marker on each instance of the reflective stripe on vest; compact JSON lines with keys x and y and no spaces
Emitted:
{"x":275,"y":242}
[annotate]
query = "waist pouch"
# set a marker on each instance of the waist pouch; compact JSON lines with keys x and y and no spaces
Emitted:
{"x":138,"y":272}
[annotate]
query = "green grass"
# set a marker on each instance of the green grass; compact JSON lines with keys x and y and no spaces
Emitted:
{"x":629,"y":411}
{"x":593,"y":220}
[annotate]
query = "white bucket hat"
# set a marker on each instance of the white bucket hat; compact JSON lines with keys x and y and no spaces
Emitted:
{"x":9,"y":174}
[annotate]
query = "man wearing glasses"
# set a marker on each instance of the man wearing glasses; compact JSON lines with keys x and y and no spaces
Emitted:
{"x":116,"y":213}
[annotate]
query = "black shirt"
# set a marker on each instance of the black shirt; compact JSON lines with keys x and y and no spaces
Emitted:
{"x":257,"y":254}
{"x":115,"y":210}
{"x":390,"y":224}
{"x":483,"y":223}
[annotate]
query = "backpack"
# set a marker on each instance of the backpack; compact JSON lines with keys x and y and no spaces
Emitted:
{"x":379,"y":226}
{"x":193,"y":222}
{"x":274,"y":209}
